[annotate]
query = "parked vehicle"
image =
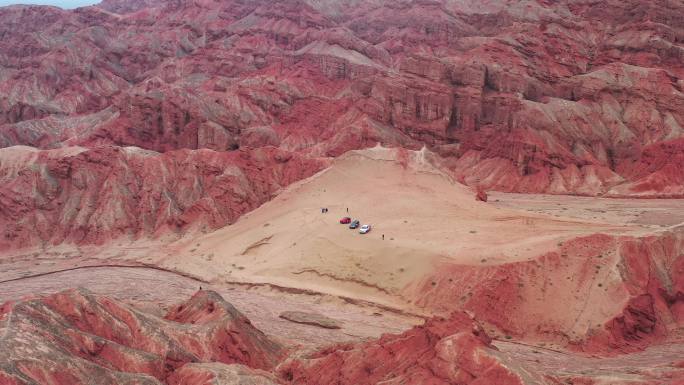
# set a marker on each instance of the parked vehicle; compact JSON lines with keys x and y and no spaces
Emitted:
{"x":355,"y":223}
{"x":365,"y":229}
{"x":345,"y":220}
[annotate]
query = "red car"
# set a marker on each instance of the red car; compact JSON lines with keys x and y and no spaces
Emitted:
{"x":345,"y":220}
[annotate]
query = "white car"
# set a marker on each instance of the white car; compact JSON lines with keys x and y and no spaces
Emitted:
{"x":364,"y":229}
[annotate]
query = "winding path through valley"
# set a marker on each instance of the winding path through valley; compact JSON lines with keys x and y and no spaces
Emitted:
{"x":158,"y":289}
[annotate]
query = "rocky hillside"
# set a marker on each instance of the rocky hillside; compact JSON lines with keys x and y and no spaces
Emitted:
{"x":572,"y":96}
{"x":76,"y":336}
{"x":82,"y":195}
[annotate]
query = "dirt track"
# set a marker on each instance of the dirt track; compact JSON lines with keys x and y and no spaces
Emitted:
{"x":158,"y":289}
{"x":653,"y":213}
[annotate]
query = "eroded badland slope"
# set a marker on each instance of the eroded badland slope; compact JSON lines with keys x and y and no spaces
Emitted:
{"x":150,"y":148}
{"x":563,"y":97}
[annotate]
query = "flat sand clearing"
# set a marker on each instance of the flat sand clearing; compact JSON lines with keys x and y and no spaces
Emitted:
{"x":653,"y":213}
{"x":425,"y":216}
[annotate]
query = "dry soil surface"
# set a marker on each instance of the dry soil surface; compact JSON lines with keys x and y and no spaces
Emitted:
{"x":420,"y":216}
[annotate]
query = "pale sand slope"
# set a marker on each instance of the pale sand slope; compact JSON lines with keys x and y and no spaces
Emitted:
{"x":424,"y":215}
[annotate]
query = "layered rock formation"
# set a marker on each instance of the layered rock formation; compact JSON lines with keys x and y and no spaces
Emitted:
{"x":599,"y":294}
{"x":76,"y":336}
{"x":577,"y":96}
{"x":148,"y":118}
{"x":443,"y":351}
{"x":82,"y":195}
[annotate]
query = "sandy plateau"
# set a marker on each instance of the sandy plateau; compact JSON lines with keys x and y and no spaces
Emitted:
{"x":427,"y":219}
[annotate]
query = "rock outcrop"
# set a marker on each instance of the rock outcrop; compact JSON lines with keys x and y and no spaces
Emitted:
{"x":311,"y":319}
{"x":568,"y":97}
{"x":76,"y":336}
{"x":576,"y":96}
{"x":455,"y":350}
{"x":600,"y":294}
{"x":149,"y":118}
{"x":83,"y":195}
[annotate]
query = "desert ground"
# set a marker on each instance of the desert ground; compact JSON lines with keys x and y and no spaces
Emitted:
{"x":425,"y":216}
{"x":650,"y":213}
{"x":287,"y":255}
{"x":173,"y":175}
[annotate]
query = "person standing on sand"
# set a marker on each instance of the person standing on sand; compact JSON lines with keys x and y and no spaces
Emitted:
{"x":383,"y":237}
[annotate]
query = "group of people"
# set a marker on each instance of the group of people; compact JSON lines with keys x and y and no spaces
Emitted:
{"x":325,"y":210}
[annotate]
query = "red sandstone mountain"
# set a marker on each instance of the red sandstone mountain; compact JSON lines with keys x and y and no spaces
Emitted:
{"x":444,"y":351}
{"x":597,"y":294}
{"x":142,"y":118}
{"x":83,"y":195}
{"x":76,"y":337}
{"x":574,"y":96}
